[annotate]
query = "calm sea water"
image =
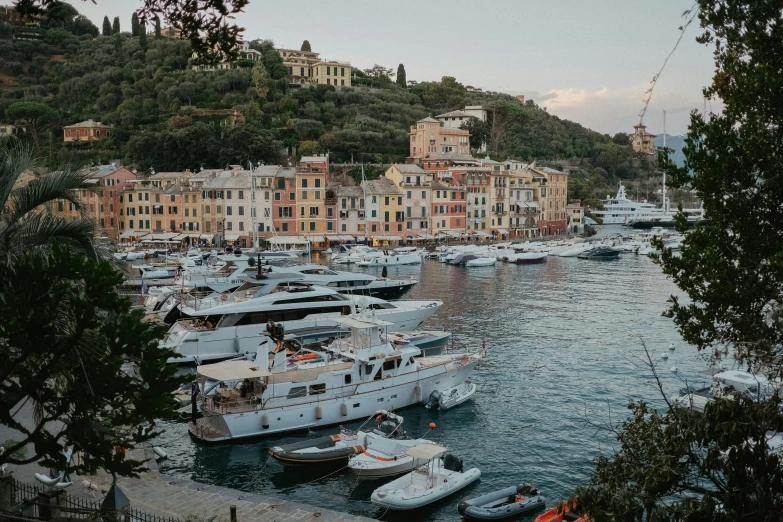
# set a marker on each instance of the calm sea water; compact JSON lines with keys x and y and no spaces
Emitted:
{"x":566,"y":353}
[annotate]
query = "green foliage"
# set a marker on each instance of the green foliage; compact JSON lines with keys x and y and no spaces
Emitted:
{"x":37,"y":116}
{"x":134,"y":24}
{"x":309,"y":148}
{"x":21,"y":451}
{"x":157,"y":27}
{"x":106,"y":26}
{"x":306,"y":47}
{"x":447,"y":94}
{"x":402,"y":80}
{"x":25,"y":223}
{"x":479,"y":132}
{"x":115,"y":26}
{"x":717,"y":465}
{"x":74,"y":349}
{"x":688,"y":465}
{"x":143,"y":37}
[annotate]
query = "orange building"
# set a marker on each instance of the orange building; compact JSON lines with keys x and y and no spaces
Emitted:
{"x":312,"y":176}
{"x":86,"y":131}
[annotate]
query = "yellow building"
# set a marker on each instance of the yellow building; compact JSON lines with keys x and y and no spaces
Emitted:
{"x":141,"y":210}
{"x":387,"y":210}
{"x":332,"y":73}
{"x":312,"y":176}
{"x":306,"y":67}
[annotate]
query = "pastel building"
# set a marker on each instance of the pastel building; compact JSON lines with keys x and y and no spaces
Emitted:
{"x":429,"y":138}
{"x":552,"y":197}
{"x":416,"y":185}
{"x":351,"y":212}
{"x":387,"y":212}
{"x":312,"y":175}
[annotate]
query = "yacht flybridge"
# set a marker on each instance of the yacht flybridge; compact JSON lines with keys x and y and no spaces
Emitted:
{"x":236,"y":326}
{"x":345,"y":380}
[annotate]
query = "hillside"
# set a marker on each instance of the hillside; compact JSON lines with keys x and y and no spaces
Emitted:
{"x":167,"y":116}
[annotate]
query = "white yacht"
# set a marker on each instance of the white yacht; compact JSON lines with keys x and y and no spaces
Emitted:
{"x":620,"y":210}
{"x":237,"y":326}
{"x":354,"y":254}
{"x":391,"y":259}
{"x":348,"y":379}
{"x":343,"y":282}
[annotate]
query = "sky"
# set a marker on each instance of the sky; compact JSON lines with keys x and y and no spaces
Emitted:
{"x":589,"y":62}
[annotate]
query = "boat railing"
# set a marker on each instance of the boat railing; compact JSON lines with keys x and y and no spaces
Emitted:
{"x":335,"y":392}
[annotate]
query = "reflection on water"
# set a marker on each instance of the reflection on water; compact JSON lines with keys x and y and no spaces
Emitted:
{"x":565,"y":345}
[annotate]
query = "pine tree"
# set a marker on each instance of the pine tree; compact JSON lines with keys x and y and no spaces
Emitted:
{"x":401,"y":80}
{"x":157,"y":27}
{"x":106,"y":26}
{"x":306,"y":46}
{"x":115,"y":26}
{"x":134,"y":24}
{"x":143,"y":36}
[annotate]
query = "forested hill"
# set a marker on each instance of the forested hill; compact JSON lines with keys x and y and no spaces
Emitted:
{"x":167,"y":116}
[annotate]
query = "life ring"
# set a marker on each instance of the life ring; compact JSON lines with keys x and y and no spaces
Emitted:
{"x":223,"y":297}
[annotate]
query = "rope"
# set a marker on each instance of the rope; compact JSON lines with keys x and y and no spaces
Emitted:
{"x":252,"y":480}
{"x":320,"y":478}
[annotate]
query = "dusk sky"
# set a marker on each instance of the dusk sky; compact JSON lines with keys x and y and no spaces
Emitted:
{"x":590,"y":62}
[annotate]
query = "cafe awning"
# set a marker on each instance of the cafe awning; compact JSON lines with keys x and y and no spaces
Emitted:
{"x":131,"y":233}
{"x":288,"y":240}
{"x":388,"y":238}
{"x":502,"y":231}
{"x":426,"y":236}
{"x":230,"y":237}
{"x":162,"y":236}
{"x":481,"y":233}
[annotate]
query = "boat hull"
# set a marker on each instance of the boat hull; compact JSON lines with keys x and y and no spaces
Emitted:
{"x":390,"y":394}
{"x":381,"y":292}
{"x":328,"y":451}
{"x":404,"y":500}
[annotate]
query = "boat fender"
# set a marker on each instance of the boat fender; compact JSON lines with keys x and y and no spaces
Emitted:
{"x":417,"y":389}
{"x":157,"y":450}
{"x":265,"y":421}
{"x":344,"y":409}
{"x":319,"y":414}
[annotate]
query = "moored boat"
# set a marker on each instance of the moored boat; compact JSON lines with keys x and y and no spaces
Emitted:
{"x":437,"y":479}
{"x":339,"y":447}
{"x":528,"y":258}
{"x":481,"y":261}
{"x":600,"y":252}
{"x":451,"y":397}
{"x":503,"y":503}
{"x":562,"y":513}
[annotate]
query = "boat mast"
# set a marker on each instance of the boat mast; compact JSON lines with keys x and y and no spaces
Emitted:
{"x":366,"y":206}
{"x":663,"y":195}
{"x":254,"y":207}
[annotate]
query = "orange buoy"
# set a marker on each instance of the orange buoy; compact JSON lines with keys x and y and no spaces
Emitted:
{"x":432,"y":425}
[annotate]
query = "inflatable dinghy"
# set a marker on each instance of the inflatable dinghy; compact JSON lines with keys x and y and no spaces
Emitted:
{"x":504,"y":503}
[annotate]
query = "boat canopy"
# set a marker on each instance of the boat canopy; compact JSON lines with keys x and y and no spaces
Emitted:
{"x":426,"y":451}
{"x":233,"y":370}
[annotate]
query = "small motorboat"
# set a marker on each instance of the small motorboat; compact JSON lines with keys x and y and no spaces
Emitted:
{"x":482,"y":261}
{"x":339,"y":447}
{"x":561,"y":513}
{"x":304,"y":357}
{"x":384,"y":458}
{"x":391,"y":259}
{"x":528,"y":258}
{"x":451,"y":397}
{"x":600,"y":252}
{"x":504,"y":503}
{"x":437,"y":479}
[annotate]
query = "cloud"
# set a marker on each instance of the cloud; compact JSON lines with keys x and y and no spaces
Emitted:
{"x":617,"y":110}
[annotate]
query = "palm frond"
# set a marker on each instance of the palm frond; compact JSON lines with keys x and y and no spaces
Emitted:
{"x":38,"y":230}
{"x":47,"y":188}
{"x":15,"y":158}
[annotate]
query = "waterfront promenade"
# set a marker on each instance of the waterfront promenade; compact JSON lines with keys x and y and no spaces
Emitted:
{"x":162,"y":495}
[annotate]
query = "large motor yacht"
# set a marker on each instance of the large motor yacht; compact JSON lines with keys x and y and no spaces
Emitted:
{"x":343,"y":282}
{"x":212,"y":332}
{"x":621,"y":210}
{"x":345,"y":380}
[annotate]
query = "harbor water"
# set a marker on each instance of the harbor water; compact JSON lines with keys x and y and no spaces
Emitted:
{"x":565,"y":354}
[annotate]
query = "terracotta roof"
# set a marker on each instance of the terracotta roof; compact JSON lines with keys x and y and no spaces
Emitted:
{"x":429,"y":119}
{"x":349,"y":192}
{"x":88,"y":124}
